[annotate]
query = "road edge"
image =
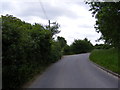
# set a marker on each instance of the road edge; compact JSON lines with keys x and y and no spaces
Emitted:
{"x":108,"y":71}
{"x":29,"y":82}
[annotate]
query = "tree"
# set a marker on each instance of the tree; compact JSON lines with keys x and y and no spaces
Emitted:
{"x":54,"y":29}
{"x":81,"y":46}
{"x":62,"y":41}
{"x":107,"y":16}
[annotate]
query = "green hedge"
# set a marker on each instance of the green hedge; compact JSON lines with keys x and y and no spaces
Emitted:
{"x":26,"y":48}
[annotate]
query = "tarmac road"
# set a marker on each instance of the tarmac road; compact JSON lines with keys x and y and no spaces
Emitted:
{"x":75,"y":71}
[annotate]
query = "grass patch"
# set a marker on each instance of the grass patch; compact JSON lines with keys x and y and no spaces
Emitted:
{"x":107,"y":58}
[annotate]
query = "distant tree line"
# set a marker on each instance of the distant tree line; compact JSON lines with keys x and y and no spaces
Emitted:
{"x":78,"y":46}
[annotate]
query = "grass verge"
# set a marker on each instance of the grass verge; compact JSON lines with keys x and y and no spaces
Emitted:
{"x":107,"y":58}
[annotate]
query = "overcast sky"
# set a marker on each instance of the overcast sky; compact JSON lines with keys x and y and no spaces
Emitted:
{"x":74,"y":17}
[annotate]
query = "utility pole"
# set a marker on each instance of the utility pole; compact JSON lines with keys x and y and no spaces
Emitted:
{"x":50,"y":23}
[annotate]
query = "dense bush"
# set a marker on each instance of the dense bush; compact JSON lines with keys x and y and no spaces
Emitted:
{"x":103,"y":46}
{"x":56,"y":51}
{"x":62,"y":41}
{"x":68,"y":50}
{"x":79,"y":46}
{"x":26,"y":48}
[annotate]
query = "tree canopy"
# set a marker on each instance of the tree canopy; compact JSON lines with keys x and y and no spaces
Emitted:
{"x":62,"y":41}
{"x":107,"y":16}
{"x":78,"y":46}
{"x":81,"y":46}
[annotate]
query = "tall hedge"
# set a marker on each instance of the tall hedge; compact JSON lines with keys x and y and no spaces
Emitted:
{"x":25,"y":48}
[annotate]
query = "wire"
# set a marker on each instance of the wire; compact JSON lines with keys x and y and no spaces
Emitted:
{"x":43,"y":9}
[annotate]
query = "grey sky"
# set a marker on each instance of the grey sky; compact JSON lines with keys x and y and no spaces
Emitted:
{"x":73,"y":16}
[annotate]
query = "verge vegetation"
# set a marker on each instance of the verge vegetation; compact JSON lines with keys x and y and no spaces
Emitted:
{"x":108,"y":58}
{"x":27,"y":50}
{"x":107,"y":17}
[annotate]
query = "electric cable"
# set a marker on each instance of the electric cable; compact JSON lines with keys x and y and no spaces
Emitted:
{"x":42,"y":7}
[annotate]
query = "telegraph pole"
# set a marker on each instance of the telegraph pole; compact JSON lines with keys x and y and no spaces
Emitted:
{"x":50,"y":23}
{"x":49,"y":26}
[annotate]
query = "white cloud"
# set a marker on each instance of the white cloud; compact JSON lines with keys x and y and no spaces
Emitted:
{"x":73,"y":16}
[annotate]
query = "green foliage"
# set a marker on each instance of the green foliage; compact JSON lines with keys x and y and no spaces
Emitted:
{"x":57,"y":48}
{"x":26,"y":49}
{"x":62,"y":41}
{"x":102,"y":46}
{"x":54,"y":29}
{"x":68,"y":50}
{"x":107,"y":58}
{"x":107,"y":16}
{"x":79,"y":46}
{"x":55,"y":51}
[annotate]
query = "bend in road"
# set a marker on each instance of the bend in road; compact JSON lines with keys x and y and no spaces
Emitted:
{"x":75,"y":71}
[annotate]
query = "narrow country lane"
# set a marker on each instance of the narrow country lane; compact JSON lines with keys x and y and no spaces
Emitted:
{"x":75,"y":71}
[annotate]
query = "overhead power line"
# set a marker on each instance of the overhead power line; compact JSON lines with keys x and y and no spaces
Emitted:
{"x":42,"y":7}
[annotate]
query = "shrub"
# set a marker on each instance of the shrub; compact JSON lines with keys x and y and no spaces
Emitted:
{"x":26,"y":49}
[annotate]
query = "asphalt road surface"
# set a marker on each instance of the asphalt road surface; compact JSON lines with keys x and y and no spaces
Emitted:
{"x":75,"y":71}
